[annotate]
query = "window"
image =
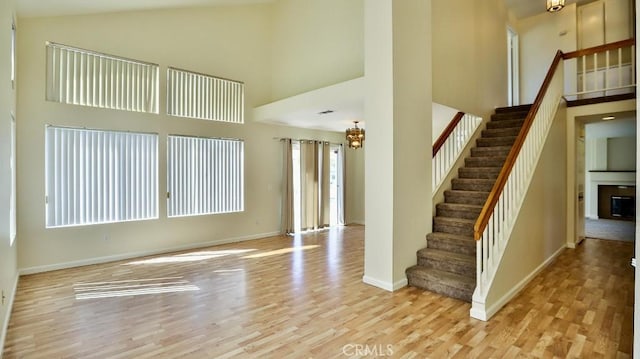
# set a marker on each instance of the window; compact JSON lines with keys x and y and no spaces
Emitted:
{"x":12,"y":168}
{"x":13,"y":53}
{"x":95,"y":176}
{"x":82,"y":77}
{"x":204,"y":176}
{"x":206,"y":97}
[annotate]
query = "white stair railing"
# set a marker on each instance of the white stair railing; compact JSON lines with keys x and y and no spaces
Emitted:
{"x":498,"y":216}
{"x":604,"y":70}
{"x":449,"y":146}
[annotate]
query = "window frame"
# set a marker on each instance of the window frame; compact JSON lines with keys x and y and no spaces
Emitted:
{"x":176,"y":201}
{"x":117,"y":187}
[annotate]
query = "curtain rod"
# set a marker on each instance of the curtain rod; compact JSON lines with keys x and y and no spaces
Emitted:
{"x":305,"y":140}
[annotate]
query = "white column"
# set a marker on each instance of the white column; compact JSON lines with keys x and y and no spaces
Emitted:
{"x":398,"y":144}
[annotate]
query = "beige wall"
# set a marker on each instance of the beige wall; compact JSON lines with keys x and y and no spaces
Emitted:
{"x":232,"y":42}
{"x":316,"y":44}
{"x":540,"y":228}
{"x":541,"y":36}
{"x":8,"y":266}
{"x":354,"y":194}
{"x":470,"y":55}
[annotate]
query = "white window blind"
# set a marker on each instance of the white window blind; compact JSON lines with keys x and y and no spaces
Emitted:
{"x":206,"y":97}
{"x":83,"y":77}
{"x":204,"y":176}
{"x":97,"y":176}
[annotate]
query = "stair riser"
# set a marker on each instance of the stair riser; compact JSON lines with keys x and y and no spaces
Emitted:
{"x":484,"y":162}
{"x":500,"y":132}
{"x":510,"y":109}
{"x":482,"y":185}
{"x":451,"y":266}
{"x":488,"y":152}
{"x":465,"y":214}
{"x":466,"y":199}
{"x":504,"y":124}
{"x":509,"y":116}
{"x":478,"y":173}
{"x":452,"y":246}
{"x":462,"y":229}
{"x":435,"y":286}
{"x":495,"y":141}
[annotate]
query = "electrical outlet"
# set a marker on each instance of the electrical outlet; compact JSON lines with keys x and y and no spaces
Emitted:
{"x":106,"y":237}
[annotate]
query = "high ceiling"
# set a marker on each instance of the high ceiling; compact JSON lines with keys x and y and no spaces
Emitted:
{"x":33,"y":8}
{"x":526,"y":8}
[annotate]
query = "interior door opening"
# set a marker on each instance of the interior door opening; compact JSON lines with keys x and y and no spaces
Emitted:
{"x":512,"y":68}
{"x":336,"y":180}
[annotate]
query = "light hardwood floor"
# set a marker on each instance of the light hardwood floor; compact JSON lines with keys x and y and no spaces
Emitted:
{"x":303,"y":297}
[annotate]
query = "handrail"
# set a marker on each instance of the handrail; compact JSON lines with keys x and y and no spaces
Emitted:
{"x":498,"y":187}
{"x":601,"y":48}
{"x":447,"y":132}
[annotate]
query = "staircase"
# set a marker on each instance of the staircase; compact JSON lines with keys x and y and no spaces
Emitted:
{"x":448,"y":264}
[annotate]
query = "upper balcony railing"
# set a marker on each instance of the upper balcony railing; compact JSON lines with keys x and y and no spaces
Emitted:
{"x":601,"y":71}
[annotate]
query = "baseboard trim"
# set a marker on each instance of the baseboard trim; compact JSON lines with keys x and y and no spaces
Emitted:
{"x":481,"y":312}
{"x":400,"y":284}
{"x":7,"y":315}
{"x":388,"y":286}
{"x":359,"y":222}
{"x":119,"y":257}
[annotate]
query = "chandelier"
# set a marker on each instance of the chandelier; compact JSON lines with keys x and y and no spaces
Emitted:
{"x":555,"y":5}
{"x":355,"y":136}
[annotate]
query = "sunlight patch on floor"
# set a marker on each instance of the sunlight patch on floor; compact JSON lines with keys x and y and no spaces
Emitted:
{"x":281,"y":251}
{"x":134,"y":287}
{"x":190,"y":257}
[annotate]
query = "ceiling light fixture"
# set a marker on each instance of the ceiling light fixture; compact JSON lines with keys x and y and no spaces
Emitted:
{"x":555,"y":5}
{"x":609,"y":118}
{"x":355,"y":136}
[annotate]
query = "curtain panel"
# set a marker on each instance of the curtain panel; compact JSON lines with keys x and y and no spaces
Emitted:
{"x":314,"y":185}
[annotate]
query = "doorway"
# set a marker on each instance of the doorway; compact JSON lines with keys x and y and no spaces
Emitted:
{"x":302,"y":182}
{"x":512,"y":68}
{"x":605,"y":181}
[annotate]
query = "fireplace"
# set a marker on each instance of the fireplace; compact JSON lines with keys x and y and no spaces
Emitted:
{"x":623,"y":206}
{"x":616,"y":202}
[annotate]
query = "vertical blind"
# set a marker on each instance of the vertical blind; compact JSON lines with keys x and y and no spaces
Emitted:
{"x":97,"y":176}
{"x":204,"y":176}
{"x":82,"y":77}
{"x":200,"y":96}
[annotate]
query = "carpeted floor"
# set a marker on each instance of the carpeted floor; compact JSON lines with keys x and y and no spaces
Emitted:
{"x":610,"y":229}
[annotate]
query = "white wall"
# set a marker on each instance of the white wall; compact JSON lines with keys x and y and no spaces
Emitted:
{"x":8,"y":259}
{"x":541,"y":36}
{"x":441,"y":117}
{"x":470,"y":55}
{"x":232,"y":42}
{"x":398,"y":112}
{"x":316,"y":44}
